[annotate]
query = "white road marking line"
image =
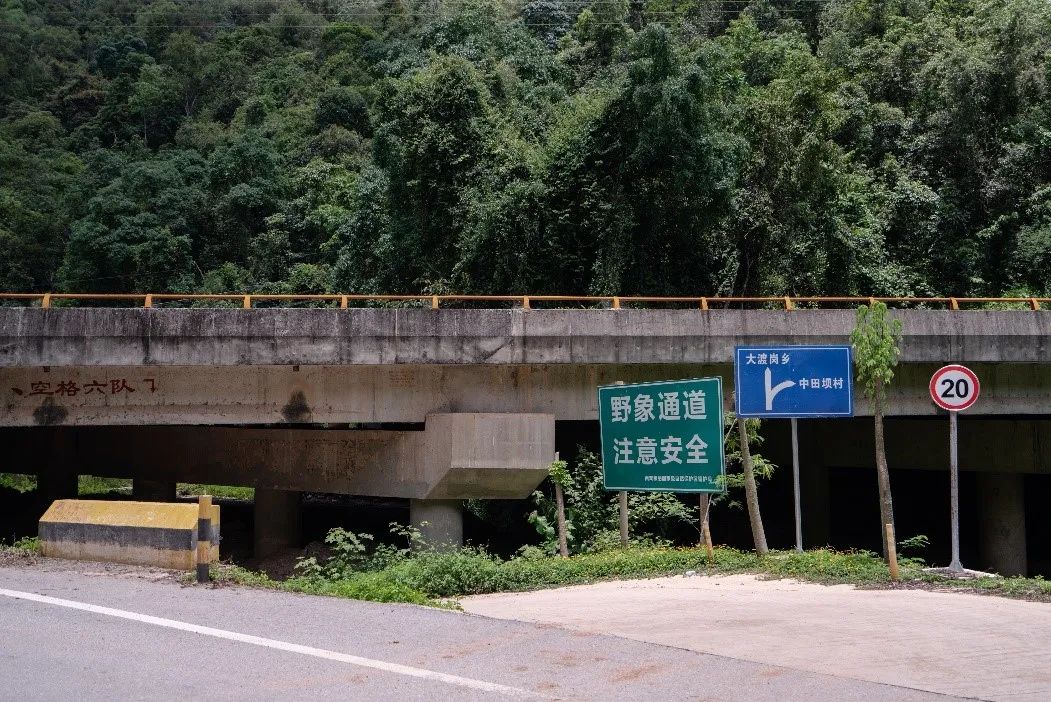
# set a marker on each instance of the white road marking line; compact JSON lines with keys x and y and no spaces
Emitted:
{"x":278,"y":645}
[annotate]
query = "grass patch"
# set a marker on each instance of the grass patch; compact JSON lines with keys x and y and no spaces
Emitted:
{"x":474,"y":572}
{"x":232,"y":492}
{"x":374,"y":587}
{"x":26,"y":547}
{"x":835,"y":567}
{"x":370,"y":586}
{"x":230,"y":574}
{"x":94,"y":485}
{"x":1036,"y":588}
{"x":431,"y":577}
{"x":18,"y":482}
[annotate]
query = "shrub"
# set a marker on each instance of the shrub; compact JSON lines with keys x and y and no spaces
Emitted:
{"x":592,"y":513}
{"x":467,"y":571}
{"x":374,"y":587}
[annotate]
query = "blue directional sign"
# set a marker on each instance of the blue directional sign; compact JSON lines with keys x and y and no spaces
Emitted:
{"x":794,"y":381}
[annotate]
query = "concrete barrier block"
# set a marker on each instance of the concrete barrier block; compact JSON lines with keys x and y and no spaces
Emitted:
{"x":158,"y":534}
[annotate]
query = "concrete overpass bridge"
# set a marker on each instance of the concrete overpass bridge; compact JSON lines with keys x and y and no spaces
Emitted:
{"x":436,"y":405}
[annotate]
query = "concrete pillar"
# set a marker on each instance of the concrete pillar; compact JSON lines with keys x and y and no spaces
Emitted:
{"x":1001,"y":523}
{"x":439,"y":521}
{"x":153,"y":490}
{"x":277,"y":521}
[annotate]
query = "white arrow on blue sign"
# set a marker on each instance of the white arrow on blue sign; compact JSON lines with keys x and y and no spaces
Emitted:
{"x":794,"y":381}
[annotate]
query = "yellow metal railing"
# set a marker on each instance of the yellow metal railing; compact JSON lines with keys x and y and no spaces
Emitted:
{"x":616,"y":302}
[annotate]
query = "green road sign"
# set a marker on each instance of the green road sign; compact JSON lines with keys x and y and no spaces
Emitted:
{"x":665,"y":436}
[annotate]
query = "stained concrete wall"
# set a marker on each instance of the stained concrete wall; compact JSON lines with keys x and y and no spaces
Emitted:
{"x":224,"y":337}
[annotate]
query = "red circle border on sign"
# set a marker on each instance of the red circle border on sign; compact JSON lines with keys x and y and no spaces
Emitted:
{"x":966,"y":371}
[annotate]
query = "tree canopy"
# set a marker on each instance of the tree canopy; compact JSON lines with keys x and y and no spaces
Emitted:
{"x":675,"y":147}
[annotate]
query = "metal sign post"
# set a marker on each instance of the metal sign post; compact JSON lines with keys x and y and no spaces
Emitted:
{"x":794,"y":382}
{"x":954,"y":494}
{"x":954,"y":388}
{"x":795,"y":484}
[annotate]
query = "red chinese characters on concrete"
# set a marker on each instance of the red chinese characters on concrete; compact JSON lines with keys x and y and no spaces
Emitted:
{"x":71,"y":388}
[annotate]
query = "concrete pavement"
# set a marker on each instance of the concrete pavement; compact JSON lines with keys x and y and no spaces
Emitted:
{"x":99,"y":635}
{"x":951,"y":643}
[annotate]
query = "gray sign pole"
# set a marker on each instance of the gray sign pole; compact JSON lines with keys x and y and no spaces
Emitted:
{"x":954,"y":491}
{"x":795,"y":484}
{"x":954,"y":388}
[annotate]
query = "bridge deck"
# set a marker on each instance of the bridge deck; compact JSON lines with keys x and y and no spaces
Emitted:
{"x":62,"y":337}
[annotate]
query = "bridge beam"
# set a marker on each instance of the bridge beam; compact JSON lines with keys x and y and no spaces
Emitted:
{"x":456,"y":456}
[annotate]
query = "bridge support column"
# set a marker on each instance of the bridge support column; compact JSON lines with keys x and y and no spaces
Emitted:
{"x":277,"y":521}
{"x":1001,"y":520}
{"x":153,"y":490}
{"x":439,"y":521}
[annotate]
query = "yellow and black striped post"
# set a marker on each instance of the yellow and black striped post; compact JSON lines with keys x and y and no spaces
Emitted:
{"x":204,"y":537}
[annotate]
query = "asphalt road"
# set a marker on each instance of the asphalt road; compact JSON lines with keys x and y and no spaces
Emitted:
{"x":69,"y":634}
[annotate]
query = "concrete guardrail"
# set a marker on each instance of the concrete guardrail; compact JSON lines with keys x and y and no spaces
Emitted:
{"x":162,"y":534}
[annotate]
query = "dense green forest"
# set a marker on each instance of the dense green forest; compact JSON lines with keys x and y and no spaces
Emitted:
{"x":703,"y":147}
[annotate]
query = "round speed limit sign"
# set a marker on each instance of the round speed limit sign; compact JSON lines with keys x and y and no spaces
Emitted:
{"x":954,"y":387}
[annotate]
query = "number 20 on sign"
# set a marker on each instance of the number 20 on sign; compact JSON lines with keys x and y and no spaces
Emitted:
{"x":954,"y":387}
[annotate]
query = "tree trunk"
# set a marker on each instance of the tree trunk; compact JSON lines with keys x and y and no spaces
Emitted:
{"x":560,"y":504}
{"x":886,"y":507}
{"x":625,"y":535}
{"x":750,"y":492}
{"x":706,"y":532}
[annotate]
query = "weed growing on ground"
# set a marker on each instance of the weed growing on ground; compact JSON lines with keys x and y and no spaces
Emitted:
{"x":96,"y":486}
{"x":418,"y":573}
{"x":1019,"y":588}
{"x":20,"y":550}
{"x":18,"y":482}
{"x":374,"y":587}
{"x":230,"y":492}
{"x":834,"y":567}
{"x":231,"y":574}
{"x":371,"y":586}
{"x":29,"y":545}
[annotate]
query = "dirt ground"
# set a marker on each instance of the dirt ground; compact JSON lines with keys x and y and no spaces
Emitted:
{"x":10,"y":558}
